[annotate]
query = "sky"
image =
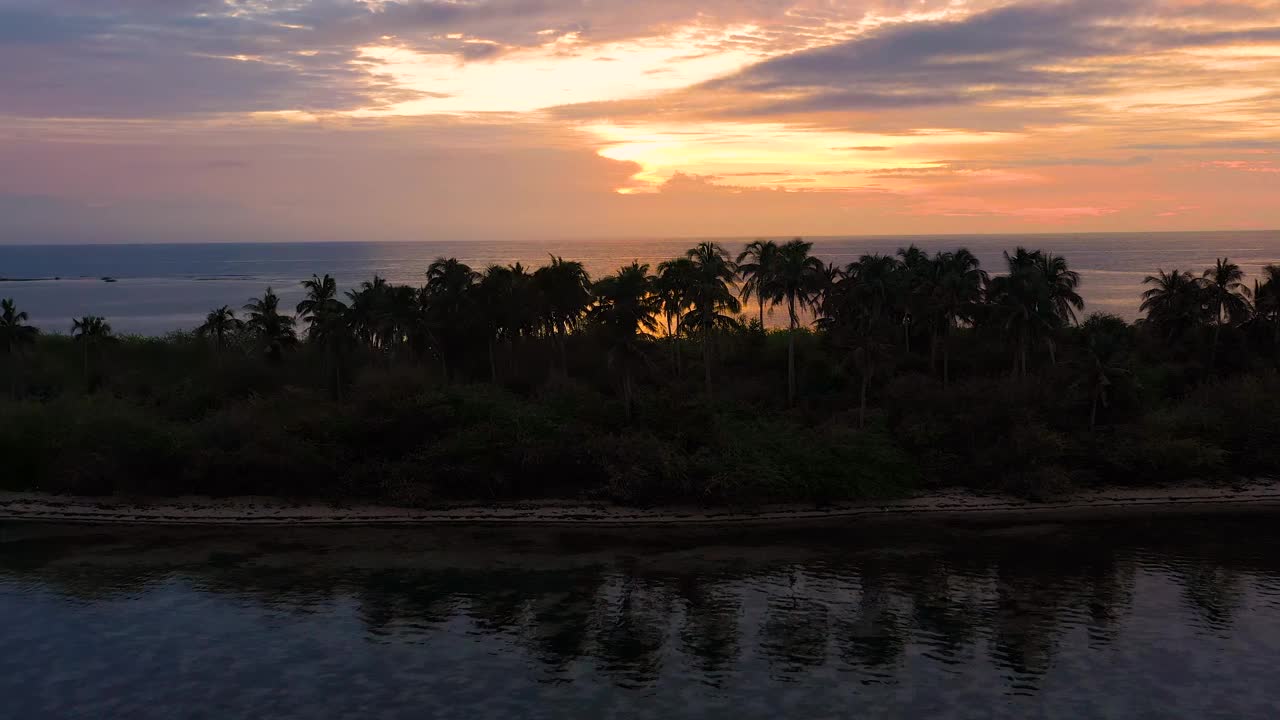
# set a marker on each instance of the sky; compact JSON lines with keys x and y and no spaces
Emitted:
{"x":245,"y":120}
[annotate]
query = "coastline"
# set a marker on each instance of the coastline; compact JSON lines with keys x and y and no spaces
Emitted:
{"x":1251,"y":496}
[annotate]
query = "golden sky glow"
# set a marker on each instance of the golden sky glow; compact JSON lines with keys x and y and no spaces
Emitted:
{"x":406,"y":119}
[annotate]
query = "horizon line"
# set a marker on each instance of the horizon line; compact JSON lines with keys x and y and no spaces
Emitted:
{"x":638,"y":238}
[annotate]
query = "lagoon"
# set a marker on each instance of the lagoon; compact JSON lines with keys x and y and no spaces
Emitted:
{"x":1142,"y":618}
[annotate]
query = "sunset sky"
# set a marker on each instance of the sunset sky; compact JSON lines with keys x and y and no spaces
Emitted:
{"x":202,"y":120}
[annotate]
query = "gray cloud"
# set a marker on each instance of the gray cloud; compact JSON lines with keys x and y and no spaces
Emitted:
{"x":133,"y":58}
{"x":1007,"y":67}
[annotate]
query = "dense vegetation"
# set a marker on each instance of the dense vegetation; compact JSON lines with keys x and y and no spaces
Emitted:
{"x":652,"y":385}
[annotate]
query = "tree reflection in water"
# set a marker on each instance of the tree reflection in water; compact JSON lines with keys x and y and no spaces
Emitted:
{"x":822,"y":607}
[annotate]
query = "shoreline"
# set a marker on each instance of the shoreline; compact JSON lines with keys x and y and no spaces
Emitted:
{"x":1253,"y":496}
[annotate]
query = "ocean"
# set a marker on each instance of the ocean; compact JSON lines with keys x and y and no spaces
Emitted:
{"x":160,"y":288}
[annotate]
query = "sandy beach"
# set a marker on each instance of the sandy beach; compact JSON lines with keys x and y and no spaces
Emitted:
{"x":1253,"y":496}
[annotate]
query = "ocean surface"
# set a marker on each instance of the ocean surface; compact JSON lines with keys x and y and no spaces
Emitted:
{"x":160,"y":288}
{"x":1141,"y":619}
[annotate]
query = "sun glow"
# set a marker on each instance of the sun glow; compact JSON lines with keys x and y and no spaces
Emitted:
{"x":561,"y":72}
{"x":776,"y":155}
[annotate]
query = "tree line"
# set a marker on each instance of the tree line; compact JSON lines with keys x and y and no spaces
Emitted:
{"x":661,"y":383}
{"x":871,"y":310}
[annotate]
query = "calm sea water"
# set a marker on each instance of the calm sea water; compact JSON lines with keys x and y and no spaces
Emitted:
{"x":168,"y":287}
{"x":1168,"y":619}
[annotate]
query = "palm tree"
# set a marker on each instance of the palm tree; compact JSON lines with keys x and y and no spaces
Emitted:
{"x":449,"y":302}
{"x":219,"y":323}
{"x":321,"y":300}
{"x":508,"y":303}
{"x":875,"y":280}
{"x":91,"y":331}
{"x":710,"y":293}
{"x":1175,"y":302}
{"x":1062,"y":282}
{"x":1266,"y":297}
{"x":272,"y":331}
{"x":366,"y":310}
{"x":1019,"y":304}
{"x":1105,"y":343}
{"x":15,"y":335}
{"x":797,"y":277}
{"x":869,"y":355}
{"x":672,"y":286}
{"x":1228,"y":298}
{"x":1057,"y":283}
{"x":955,"y":295}
{"x":625,"y":308}
{"x":906,"y":278}
{"x":330,"y":331}
{"x":401,"y":319}
{"x":565,"y":290}
{"x":756,"y":266}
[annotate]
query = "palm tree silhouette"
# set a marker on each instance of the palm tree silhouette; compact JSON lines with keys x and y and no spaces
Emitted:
{"x":272,"y":331}
{"x":1228,"y":298}
{"x":218,"y":324}
{"x":15,"y":336}
{"x":1175,"y":303}
{"x":1105,"y":339}
{"x":869,"y":355}
{"x":797,"y":277}
{"x":321,"y":301}
{"x":449,"y":304}
{"x":625,"y":308}
{"x":756,"y":267}
{"x":1019,"y":304}
{"x":1266,"y":298}
{"x":1062,"y":282}
{"x":1056,"y":283}
{"x":366,"y":311}
{"x":508,"y":303}
{"x":91,"y":331}
{"x":954,"y":296}
{"x":565,"y":289}
{"x":874,"y":281}
{"x":1035,"y":300}
{"x":710,"y":293}
{"x":906,"y":278}
{"x":673,"y":287}
{"x":330,"y":331}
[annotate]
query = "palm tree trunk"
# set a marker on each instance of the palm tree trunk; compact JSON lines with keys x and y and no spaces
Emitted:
{"x":946,"y":361}
{"x":493,"y":361}
{"x":564,"y":355}
{"x":862,"y":401}
{"x":1213,"y":349}
{"x":791,"y":352}
{"x":1022,"y":355}
{"x":706,"y":358}
{"x":626,"y":390}
{"x":760,"y":301}
{"x":675,"y":347}
{"x":1093,"y":413}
